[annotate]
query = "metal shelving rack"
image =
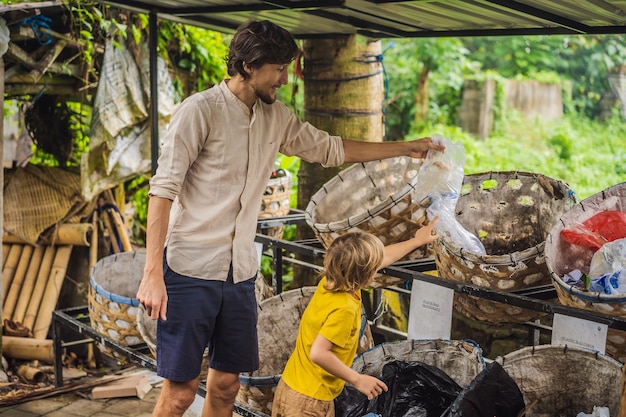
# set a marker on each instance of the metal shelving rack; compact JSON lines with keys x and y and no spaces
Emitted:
{"x":534,"y":298}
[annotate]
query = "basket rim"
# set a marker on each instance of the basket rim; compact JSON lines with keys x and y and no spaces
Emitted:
{"x":133,"y":302}
{"x":471,"y":344}
{"x":582,"y":294}
{"x":561,"y":347}
{"x":520,"y":255}
{"x":352,"y":221}
{"x":261,"y":381}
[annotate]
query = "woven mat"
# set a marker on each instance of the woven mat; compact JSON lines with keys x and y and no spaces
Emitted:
{"x":37,"y":198}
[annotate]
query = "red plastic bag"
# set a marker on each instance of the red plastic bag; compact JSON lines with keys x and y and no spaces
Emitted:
{"x":594,"y":232}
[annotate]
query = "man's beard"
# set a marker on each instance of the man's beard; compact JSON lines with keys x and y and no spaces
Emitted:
{"x":265,"y":98}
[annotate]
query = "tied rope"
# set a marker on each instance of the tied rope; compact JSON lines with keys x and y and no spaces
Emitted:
{"x":380,"y":58}
{"x":37,"y":24}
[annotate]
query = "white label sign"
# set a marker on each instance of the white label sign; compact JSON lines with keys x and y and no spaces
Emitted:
{"x":567,"y":330}
{"x":430,"y":312}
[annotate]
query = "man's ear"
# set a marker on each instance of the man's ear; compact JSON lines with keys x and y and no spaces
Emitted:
{"x":247,"y":68}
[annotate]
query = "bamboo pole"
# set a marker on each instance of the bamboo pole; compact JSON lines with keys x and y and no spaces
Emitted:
{"x":622,"y":402}
{"x":28,"y":348}
{"x":40,"y":286}
{"x":111,"y":231}
{"x":121,"y":230}
{"x":5,"y":252}
{"x":53,"y":289}
{"x":29,"y":284}
{"x":75,"y":234}
{"x":48,"y":59}
{"x":18,"y":281}
{"x":8,"y":271}
{"x":93,"y":248}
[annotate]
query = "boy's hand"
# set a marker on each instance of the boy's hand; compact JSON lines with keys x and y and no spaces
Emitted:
{"x":427,"y":233}
{"x":370,"y":386}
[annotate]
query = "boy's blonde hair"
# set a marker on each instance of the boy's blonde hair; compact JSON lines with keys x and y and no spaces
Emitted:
{"x":352,"y":260}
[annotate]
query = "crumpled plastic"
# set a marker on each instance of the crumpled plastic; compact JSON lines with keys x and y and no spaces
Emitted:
{"x":416,"y":389}
{"x":492,"y":393}
{"x":5,"y":37}
{"x":438,"y":187}
{"x":607,"y":271}
{"x":603,"y":227}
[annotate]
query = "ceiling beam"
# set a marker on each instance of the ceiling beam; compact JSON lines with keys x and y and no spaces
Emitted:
{"x":542,"y":14}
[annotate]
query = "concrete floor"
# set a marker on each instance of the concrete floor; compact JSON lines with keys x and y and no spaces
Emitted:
{"x":80,"y":404}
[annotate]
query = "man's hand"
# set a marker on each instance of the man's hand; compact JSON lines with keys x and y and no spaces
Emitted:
{"x":420,"y":147}
{"x":153,"y":295}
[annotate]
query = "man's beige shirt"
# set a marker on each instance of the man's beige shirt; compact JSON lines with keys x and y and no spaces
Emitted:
{"x":214,"y":165}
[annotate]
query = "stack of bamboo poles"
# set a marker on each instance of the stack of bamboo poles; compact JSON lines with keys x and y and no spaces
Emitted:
{"x":112,"y":224}
{"x":32,"y":277}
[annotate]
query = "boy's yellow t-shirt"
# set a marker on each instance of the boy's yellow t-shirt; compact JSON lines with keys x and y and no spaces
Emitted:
{"x":337,"y":317}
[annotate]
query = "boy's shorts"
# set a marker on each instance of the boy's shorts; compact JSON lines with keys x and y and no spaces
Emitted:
{"x":290,"y":403}
{"x":206,"y":313}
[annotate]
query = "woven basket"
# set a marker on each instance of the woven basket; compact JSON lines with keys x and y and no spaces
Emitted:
{"x":511,"y":213}
{"x":460,"y":360}
{"x":113,"y":308}
{"x":275,"y":202}
{"x":374,"y":197}
{"x":561,"y":381}
{"x":562,"y":257}
{"x":278,"y":324}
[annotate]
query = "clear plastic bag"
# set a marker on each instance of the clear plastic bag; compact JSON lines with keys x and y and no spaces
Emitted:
{"x":5,"y":37}
{"x":437,"y":188}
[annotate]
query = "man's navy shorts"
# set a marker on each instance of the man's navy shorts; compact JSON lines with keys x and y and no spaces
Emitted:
{"x":207,"y":313}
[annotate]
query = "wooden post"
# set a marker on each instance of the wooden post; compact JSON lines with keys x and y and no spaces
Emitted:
{"x":1,"y":182}
{"x":622,"y":402}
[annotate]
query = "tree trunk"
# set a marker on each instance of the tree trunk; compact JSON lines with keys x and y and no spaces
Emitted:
{"x":421,"y":97}
{"x":343,"y":95}
{"x":2,"y":374}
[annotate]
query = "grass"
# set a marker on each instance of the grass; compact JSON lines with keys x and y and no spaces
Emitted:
{"x":588,"y":155}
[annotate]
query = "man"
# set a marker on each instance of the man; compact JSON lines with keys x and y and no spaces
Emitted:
{"x":205,"y":197}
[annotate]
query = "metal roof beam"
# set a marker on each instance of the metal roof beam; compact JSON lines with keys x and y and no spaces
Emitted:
{"x":265,"y":5}
{"x":542,"y":14}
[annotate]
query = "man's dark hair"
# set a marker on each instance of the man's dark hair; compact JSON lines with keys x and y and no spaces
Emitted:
{"x":257,"y":43}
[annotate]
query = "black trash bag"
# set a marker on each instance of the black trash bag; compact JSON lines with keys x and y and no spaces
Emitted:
{"x":416,"y":389}
{"x":493,"y":393}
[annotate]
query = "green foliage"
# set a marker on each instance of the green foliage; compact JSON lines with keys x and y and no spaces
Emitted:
{"x":200,"y":52}
{"x":137,"y":193}
{"x":404,"y":59}
{"x":588,"y":155}
{"x":584,"y":60}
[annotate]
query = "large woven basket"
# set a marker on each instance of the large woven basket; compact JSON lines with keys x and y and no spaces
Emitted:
{"x":278,"y":324}
{"x":562,"y":381}
{"x":511,"y":213}
{"x":374,"y":197}
{"x":563,"y":257}
{"x":275,"y":202}
{"x":460,"y":360}
{"x":113,"y":308}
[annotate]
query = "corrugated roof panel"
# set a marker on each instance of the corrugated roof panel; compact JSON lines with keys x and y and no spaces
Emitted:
{"x":397,"y":18}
